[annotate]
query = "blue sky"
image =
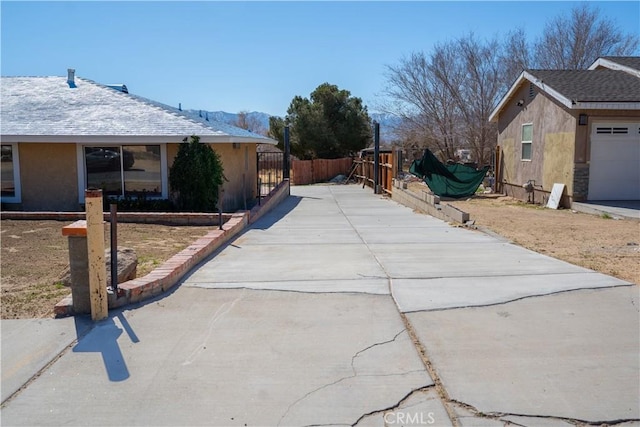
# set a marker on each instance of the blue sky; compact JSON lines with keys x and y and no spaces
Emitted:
{"x":253,"y":56}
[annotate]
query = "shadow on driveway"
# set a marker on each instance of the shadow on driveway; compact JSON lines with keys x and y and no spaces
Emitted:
{"x":103,"y":339}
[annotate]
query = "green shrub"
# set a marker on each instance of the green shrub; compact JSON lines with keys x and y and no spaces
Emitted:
{"x":195,"y":176}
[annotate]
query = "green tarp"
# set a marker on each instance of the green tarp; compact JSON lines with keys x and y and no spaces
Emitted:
{"x":455,"y":180}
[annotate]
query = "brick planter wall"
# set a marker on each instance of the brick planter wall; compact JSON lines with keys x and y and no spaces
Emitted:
{"x":173,"y":270}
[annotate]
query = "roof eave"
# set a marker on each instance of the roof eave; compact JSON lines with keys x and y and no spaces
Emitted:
{"x":559,"y":97}
{"x":493,"y":117}
{"x":525,"y":75}
{"x":604,"y":105}
{"x":612,"y":65}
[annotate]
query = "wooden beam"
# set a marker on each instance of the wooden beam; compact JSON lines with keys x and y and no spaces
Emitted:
{"x":95,"y":246}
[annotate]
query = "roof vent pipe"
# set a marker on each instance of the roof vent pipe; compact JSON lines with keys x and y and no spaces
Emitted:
{"x":71,"y":77}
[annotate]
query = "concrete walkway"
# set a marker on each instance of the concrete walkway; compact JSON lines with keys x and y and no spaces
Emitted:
{"x":614,"y":208}
{"x":341,"y":307}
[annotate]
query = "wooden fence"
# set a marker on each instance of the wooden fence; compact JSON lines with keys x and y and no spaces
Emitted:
{"x":390,"y":164}
{"x":319,"y":170}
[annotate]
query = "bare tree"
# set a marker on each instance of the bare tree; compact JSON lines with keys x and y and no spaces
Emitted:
{"x":248,"y":122}
{"x":241,"y":120}
{"x":445,"y":98}
{"x":477,"y":93}
{"x":575,"y":41}
{"x":424,"y":103}
{"x":515,"y":56}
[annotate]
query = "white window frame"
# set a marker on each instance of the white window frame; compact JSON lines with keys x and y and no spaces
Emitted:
{"x":523,"y":142}
{"x":15,"y":158}
{"x":82,"y":171}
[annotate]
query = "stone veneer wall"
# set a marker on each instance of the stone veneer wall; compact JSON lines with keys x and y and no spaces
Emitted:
{"x":580,"y":182}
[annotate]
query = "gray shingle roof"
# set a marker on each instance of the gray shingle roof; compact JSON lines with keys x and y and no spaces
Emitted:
{"x":627,"y":61}
{"x":592,"y":85}
{"x":47,"y":106}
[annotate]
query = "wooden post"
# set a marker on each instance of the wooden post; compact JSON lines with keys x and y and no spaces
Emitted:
{"x":497,"y":173}
{"x":95,"y":246}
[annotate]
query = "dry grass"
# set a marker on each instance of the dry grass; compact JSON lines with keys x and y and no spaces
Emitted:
{"x":35,"y":255}
{"x":599,"y":243}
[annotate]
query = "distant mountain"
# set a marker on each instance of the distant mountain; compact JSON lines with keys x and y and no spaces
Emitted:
{"x":261,"y":119}
{"x":388,"y":122}
{"x":388,"y":125}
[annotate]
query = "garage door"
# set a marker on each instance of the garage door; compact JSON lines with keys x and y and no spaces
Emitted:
{"x":614,"y":173}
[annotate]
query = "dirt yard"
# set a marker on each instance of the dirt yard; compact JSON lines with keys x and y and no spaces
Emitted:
{"x":34,"y":253}
{"x":601,"y":243}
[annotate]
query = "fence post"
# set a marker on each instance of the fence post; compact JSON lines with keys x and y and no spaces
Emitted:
{"x":95,"y":249}
{"x":376,"y":157}
{"x":287,"y":153}
{"x":497,"y":171}
{"x":397,"y":163}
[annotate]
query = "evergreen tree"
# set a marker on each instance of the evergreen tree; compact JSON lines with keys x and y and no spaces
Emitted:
{"x":195,"y":176}
{"x":328,"y":125}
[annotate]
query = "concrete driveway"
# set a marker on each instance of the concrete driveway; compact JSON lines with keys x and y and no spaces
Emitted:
{"x":341,"y":307}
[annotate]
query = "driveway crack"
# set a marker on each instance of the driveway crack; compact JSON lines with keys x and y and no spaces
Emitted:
{"x":498,"y":415}
{"x":394,"y":406}
{"x":359,"y":352}
{"x":493,"y":304}
{"x":354,"y":375}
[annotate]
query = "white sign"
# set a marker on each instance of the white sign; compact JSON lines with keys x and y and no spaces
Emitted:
{"x":556,"y":195}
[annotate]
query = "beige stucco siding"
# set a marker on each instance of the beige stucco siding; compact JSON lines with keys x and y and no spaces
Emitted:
{"x":558,"y":160}
{"x":509,"y":159}
{"x":239,"y":163}
{"x":553,"y":146}
{"x":49,"y":177}
{"x":240,"y":169}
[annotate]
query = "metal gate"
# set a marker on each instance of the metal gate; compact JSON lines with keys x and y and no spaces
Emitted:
{"x":270,"y":171}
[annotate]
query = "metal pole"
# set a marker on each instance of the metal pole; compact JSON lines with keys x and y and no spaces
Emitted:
{"x":287,"y":154}
{"x":376,"y":157}
{"x":220,"y":207}
{"x":113,"y":219}
{"x":259,"y":190}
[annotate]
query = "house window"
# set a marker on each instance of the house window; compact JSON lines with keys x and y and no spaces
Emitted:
{"x":10,"y":174}
{"x":130,"y":170}
{"x":527,"y":139}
